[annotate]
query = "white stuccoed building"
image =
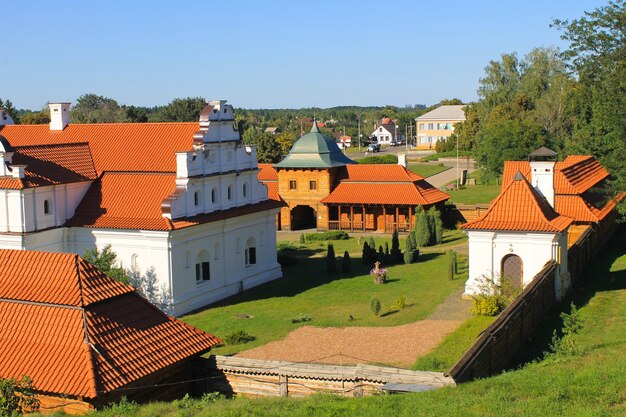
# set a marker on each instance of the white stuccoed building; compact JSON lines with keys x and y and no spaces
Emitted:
{"x":182,"y":198}
{"x":521,"y":231}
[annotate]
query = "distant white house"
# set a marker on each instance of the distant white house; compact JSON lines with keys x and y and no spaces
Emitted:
{"x":387,"y":131}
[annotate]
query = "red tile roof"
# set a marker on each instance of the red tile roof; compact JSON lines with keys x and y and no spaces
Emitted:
{"x":267,"y":173}
{"x":520,"y":208}
{"x":108,"y":205}
{"x":51,"y":164}
{"x":383,"y":184}
{"x":76,"y":332}
{"x":272,"y":190}
{"x":575,"y":175}
{"x":380,"y":173}
{"x":144,"y":147}
{"x":573,"y":179}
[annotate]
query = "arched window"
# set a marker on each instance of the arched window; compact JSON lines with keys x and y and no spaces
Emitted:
{"x":203,"y":267}
{"x":213,"y":195}
{"x":512,"y":271}
{"x":46,"y":207}
{"x":245,"y":189}
{"x":196,"y":198}
{"x":134,"y":264}
{"x":230,"y":192}
{"x":250,"y":252}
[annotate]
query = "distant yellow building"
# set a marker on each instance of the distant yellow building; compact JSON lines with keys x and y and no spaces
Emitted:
{"x":437,"y":125}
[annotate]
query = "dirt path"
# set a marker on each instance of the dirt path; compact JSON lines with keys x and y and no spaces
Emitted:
{"x":399,"y":345}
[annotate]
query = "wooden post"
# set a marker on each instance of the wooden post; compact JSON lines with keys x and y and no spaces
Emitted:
{"x":410,"y":218}
{"x":397,"y":219}
{"x":363,"y":217}
{"x":384,"y":219}
{"x":339,"y":217}
{"x":283,"y":387}
{"x":351,"y":217}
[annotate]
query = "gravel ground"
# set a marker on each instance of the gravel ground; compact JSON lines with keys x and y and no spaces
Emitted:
{"x":399,"y":345}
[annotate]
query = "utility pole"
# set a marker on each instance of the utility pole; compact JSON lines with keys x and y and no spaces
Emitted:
{"x":359,"y":138}
{"x":406,"y":138}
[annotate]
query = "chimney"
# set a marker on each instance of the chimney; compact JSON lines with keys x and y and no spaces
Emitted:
{"x":402,"y":159}
{"x":5,"y":119}
{"x":59,"y":115}
{"x":542,"y":162}
{"x":18,"y":171}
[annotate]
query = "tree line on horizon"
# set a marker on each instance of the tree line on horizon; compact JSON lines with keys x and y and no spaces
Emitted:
{"x":572,"y":101}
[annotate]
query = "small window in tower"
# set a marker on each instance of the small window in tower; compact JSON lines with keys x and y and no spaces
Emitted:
{"x":46,"y":207}
{"x":230,"y":192}
{"x":213,"y":195}
{"x":196,"y":198}
{"x":292,"y":184}
{"x":245,"y":190}
{"x":313,"y":185}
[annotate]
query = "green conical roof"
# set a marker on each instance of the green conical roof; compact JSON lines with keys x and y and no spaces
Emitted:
{"x":314,"y":150}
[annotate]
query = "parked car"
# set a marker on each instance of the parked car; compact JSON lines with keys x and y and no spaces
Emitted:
{"x":373,"y":147}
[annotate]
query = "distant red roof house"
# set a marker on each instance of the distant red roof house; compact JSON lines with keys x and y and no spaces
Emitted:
{"x":82,"y":335}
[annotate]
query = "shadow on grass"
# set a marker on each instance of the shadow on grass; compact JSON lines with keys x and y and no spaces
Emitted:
{"x":597,"y":278}
{"x":389,"y":313}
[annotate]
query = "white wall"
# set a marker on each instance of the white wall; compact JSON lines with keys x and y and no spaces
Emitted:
{"x":487,"y":249}
{"x":225,"y":243}
{"x":23,"y":210}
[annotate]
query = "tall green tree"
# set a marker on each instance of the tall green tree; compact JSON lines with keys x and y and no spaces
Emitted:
{"x":92,"y":108}
{"x":7,"y":105}
{"x":422,"y":228}
{"x":596,"y":54}
{"x":104,"y":260}
{"x":182,"y":110}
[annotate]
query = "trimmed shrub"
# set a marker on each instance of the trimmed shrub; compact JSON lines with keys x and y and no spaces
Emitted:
{"x":436,"y":224}
{"x":324,"y":236}
{"x":302,"y":239}
{"x":396,"y":253}
{"x":238,"y":337}
{"x":381,"y":254}
{"x":411,"y":253}
{"x":331,"y":260}
{"x":375,"y":306}
{"x":422,"y":228}
{"x":382,"y":159}
{"x":346,"y":263}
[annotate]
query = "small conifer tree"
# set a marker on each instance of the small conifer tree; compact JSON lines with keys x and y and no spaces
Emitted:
{"x":381,"y":254}
{"x":422,"y":229}
{"x":410,"y":254}
{"x":365,"y":254}
{"x":346,"y":263}
{"x":302,"y":239}
{"x":436,"y":225}
{"x":396,"y":253}
{"x":331,"y":261}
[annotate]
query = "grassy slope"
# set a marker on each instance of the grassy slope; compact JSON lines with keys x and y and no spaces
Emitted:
{"x":426,"y":170}
{"x":475,"y":194}
{"x":306,"y":289}
{"x":592,"y":384}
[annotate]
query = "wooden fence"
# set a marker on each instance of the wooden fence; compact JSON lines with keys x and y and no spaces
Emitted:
{"x":499,"y":345}
{"x":233,"y":374}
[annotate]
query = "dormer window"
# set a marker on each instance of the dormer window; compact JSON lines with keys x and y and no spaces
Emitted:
{"x":46,"y":207}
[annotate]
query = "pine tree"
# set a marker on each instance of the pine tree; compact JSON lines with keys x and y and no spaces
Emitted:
{"x":346,"y":264}
{"x":302,"y":239}
{"x":422,"y":229}
{"x":381,"y":254}
{"x":365,"y":254}
{"x":331,"y":261}
{"x":396,"y":253}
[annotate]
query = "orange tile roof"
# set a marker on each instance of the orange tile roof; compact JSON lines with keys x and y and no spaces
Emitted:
{"x":267,"y":173}
{"x":51,"y":164}
{"x":575,"y":175}
{"x":520,"y":208}
{"x":380,"y":173}
{"x":76,"y":332}
{"x":392,"y":193}
{"x":115,"y":146}
{"x":107,"y":204}
{"x":110,"y":203}
{"x":272,"y":190}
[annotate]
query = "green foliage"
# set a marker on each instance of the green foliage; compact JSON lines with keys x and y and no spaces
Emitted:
{"x":286,"y":253}
{"x":123,"y":408}
{"x":379,"y":159}
{"x":35,"y":118}
{"x":381,"y":254}
{"x":567,"y":344}
{"x":104,"y":260}
{"x":239,"y":337}
{"x":410,"y":253}
{"x":375,"y":306}
{"x":17,"y":397}
{"x":487,"y":305}
{"x":365,"y":254}
{"x":331,"y":260}
{"x":183,"y":110}
{"x":92,"y":108}
{"x":399,"y":304}
{"x":302,"y":318}
{"x":422,"y":228}
{"x":267,"y":149}
{"x":7,"y":105}
{"x":346,"y":264}
{"x":452,"y":264}
{"x":396,"y":253}
{"x":302,"y":239}
{"x":324,"y":236}
{"x":436,"y":225}
{"x":493,"y":295}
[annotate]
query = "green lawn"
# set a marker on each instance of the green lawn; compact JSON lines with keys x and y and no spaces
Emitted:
{"x":475,"y":194}
{"x":307,"y":290}
{"x":592,"y":383}
{"x":426,"y":170}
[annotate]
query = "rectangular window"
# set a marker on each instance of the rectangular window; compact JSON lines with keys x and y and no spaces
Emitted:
{"x":430,"y":126}
{"x":292,"y":184}
{"x":251,"y":256}
{"x":421,"y":126}
{"x":203,"y":271}
{"x":312,"y":185}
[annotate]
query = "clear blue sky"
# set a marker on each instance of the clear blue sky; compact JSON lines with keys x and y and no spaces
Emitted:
{"x":265,"y":54}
